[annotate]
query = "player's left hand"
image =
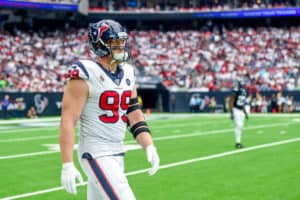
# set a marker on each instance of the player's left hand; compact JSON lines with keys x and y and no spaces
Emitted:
{"x":69,"y":174}
{"x":153,"y":158}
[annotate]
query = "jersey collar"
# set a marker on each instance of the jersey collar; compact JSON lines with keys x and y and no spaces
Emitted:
{"x":115,"y":77}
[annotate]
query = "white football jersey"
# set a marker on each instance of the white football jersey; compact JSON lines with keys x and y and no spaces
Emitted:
{"x":103,"y":120}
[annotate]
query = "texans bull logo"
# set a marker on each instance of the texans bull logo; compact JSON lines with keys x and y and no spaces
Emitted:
{"x":40,"y":103}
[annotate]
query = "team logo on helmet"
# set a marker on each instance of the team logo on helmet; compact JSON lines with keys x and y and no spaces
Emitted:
{"x":102,"y":29}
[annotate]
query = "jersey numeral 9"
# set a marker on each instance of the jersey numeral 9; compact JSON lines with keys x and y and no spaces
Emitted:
{"x":110,"y":100}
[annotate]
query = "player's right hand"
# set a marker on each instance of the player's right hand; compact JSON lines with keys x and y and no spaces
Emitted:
{"x":69,"y":174}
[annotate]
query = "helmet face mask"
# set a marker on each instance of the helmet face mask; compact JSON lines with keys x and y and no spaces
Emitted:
{"x":107,"y":37}
{"x":118,"y":49}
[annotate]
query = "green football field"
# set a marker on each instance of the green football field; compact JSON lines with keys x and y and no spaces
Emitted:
{"x":198,"y":159}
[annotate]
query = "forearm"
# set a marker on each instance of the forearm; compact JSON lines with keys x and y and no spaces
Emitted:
{"x":66,"y":141}
{"x":143,"y":138}
{"x":135,"y":117}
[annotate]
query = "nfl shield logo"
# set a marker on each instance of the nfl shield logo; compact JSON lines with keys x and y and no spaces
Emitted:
{"x":101,"y":78}
{"x":128,"y":82}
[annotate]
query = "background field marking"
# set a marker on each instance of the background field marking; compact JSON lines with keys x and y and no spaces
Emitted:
{"x":186,"y":135}
{"x":17,"y":129}
{"x":27,"y":155}
{"x":158,"y":138}
{"x":154,"y":138}
{"x":227,"y":153}
{"x":28,"y":138}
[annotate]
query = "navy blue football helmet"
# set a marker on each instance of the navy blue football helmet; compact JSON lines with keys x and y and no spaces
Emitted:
{"x":103,"y":31}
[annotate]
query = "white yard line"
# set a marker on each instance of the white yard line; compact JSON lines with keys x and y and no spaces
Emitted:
{"x":14,"y":121}
{"x":17,"y":129}
{"x":159,"y":138}
{"x":27,"y":155}
{"x":166,"y":166}
{"x":157,"y":115}
{"x":28,"y":138}
{"x":185,"y":135}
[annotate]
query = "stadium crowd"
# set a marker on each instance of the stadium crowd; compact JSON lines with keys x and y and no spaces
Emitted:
{"x":55,"y":1}
{"x":187,"y":6}
{"x":38,"y":61}
{"x":267,"y":58}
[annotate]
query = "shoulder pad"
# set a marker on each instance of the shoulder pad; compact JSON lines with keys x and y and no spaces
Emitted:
{"x":78,"y":70}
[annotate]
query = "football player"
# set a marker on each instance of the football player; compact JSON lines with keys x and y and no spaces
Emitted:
{"x":238,"y":112}
{"x":101,"y":95}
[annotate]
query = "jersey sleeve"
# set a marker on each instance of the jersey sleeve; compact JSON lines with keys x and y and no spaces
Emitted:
{"x":78,"y":70}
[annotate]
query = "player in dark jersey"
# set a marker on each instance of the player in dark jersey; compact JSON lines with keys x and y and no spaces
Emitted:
{"x":237,"y":111}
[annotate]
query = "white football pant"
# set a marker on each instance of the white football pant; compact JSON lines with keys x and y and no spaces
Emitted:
{"x":239,"y":117}
{"x":106,"y":178}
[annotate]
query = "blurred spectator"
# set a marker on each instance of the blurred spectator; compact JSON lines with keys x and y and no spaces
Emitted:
{"x":227,"y":103}
{"x":31,"y":113}
{"x":273,"y":104}
{"x":192,"y":103}
{"x":212,"y":104}
{"x":280,"y":102}
{"x":198,"y":103}
{"x":20,"y":107}
{"x":258,"y":103}
{"x":4,"y":105}
{"x":173,"y":102}
{"x":204,"y":104}
{"x":290,"y":103}
{"x":2,"y":84}
{"x":253,"y":104}
{"x":264,"y":105}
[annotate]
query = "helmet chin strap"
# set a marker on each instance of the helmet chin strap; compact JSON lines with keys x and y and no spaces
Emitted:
{"x":114,"y":59}
{"x":110,"y":65}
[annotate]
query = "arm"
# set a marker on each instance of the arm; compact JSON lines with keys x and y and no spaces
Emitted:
{"x":231,"y":101}
{"x":143,"y":138}
{"x":74,"y":98}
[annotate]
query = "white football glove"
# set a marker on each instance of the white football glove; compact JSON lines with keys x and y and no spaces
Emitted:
{"x":153,"y":158}
{"x":69,"y":174}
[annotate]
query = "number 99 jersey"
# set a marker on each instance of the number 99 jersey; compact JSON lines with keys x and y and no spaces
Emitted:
{"x":103,"y":121}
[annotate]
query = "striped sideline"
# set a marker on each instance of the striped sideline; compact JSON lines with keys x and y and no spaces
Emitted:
{"x":166,"y":166}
